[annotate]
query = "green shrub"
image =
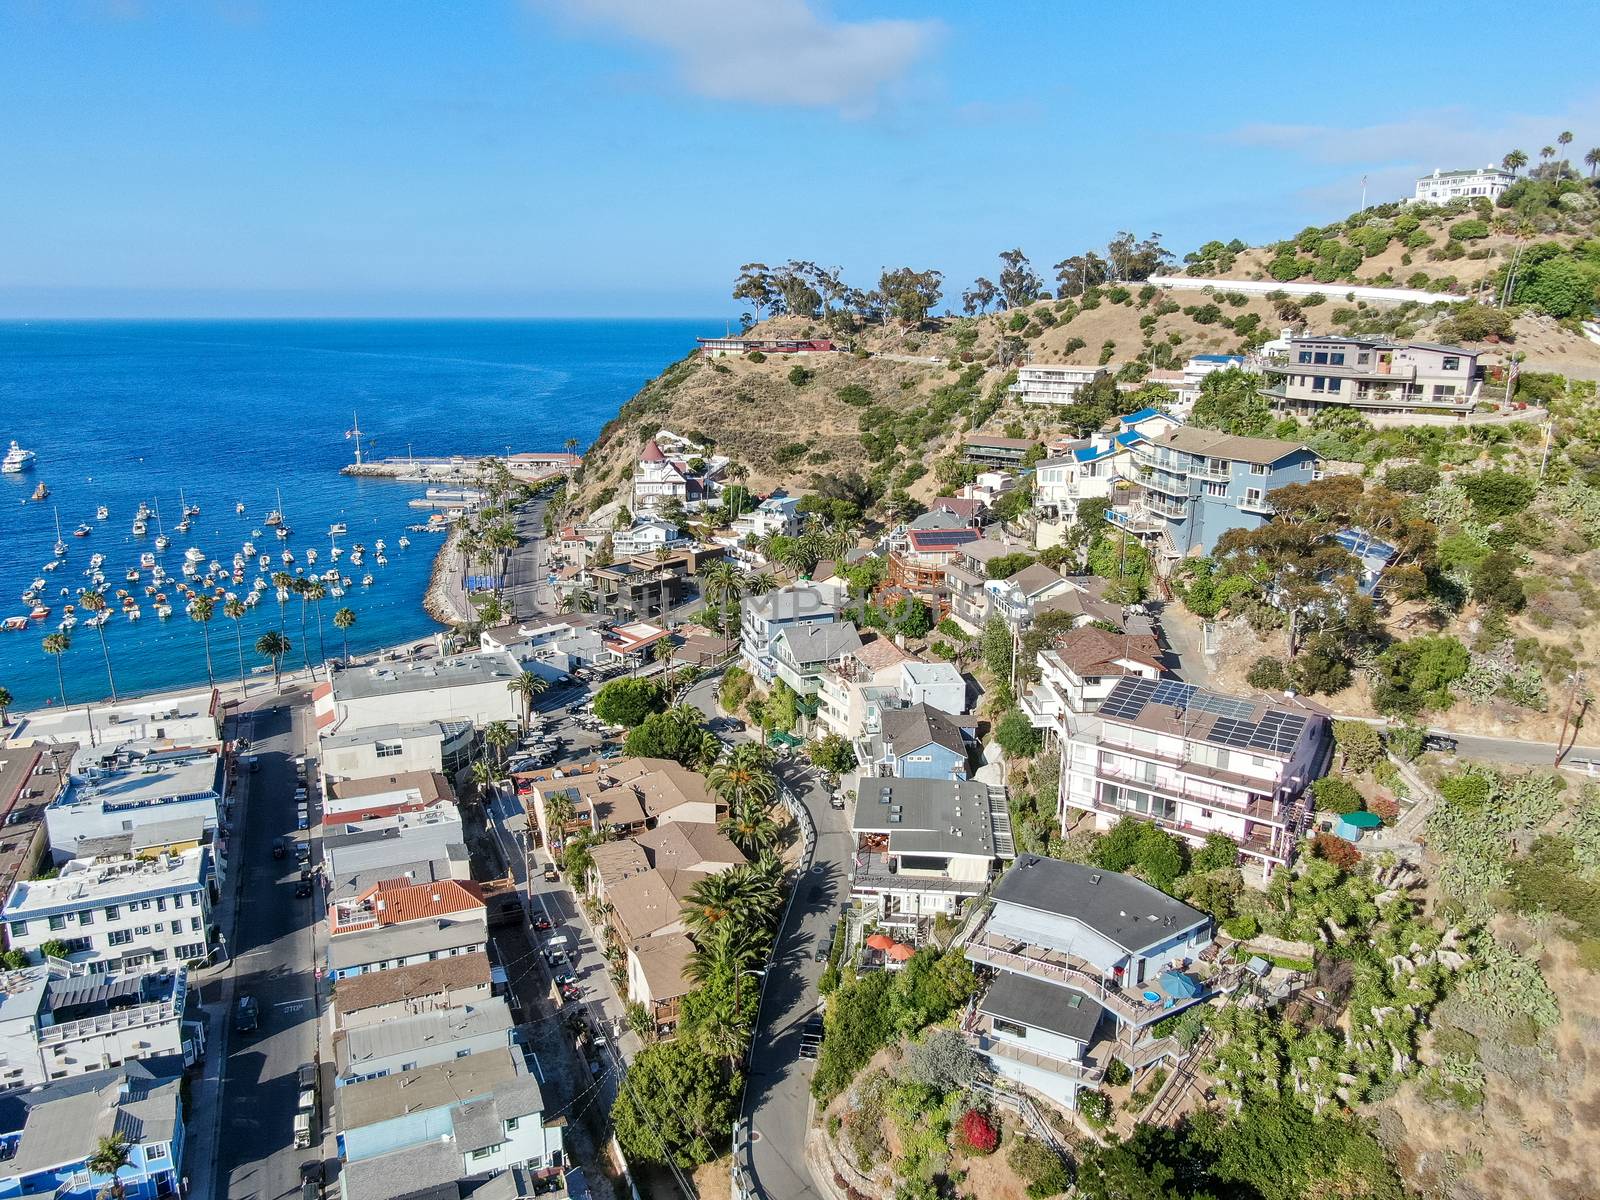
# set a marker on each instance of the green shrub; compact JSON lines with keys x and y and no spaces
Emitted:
{"x":1117,"y":1072}
{"x":1268,"y":674}
{"x":1095,"y":1108}
{"x":1243,"y":927}
{"x":1336,"y":796}
{"x":756,"y":356}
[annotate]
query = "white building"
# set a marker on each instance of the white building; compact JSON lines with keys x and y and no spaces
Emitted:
{"x":466,"y":687}
{"x":1085,"y":963}
{"x":191,"y":718}
{"x":1078,"y":670}
{"x":380,"y":1048}
{"x":57,"y":1021}
{"x":120,"y":789}
{"x":1444,"y":186}
{"x":119,"y":913}
{"x":1056,"y":383}
{"x":380,"y":750}
{"x":647,"y":535}
{"x":762,"y":618}
{"x":563,"y":641}
{"x":778,"y":514}
{"x":925,"y":845}
{"x":1091,"y":469}
{"x":1197,"y":763}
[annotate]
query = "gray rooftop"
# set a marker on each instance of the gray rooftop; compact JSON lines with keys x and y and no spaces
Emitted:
{"x":420,"y":844}
{"x":818,"y":641}
{"x":435,"y":1027}
{"x":408,"y":1172}
{"x":907,"y":729}
{"x":64,"y":1128}
{"x":441,"y":1085}
{"x":429,"y":675}
{"x":133,"y":777}
{"x":928,"y":816}
{"x":1119,"y":907}
{"x":394,"y":732}
{"x":1041,"y":1005}
{"x":402,"y":941}
{"x":1212,"y":444}
{"x":802,"y":602}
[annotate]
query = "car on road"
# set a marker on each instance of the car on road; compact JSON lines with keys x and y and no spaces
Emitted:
{"x":302,"y":852}
{"x":835,"y":800}
{"x":303,"y":889}
{"x":1439,"y":743}
{"x":246,"y":1015}
{"x":542,"y":924}
{"x":552,"y":873}
{"x":825,"y":948}
{"x":566,"y":978}
{"x":280,"y":847}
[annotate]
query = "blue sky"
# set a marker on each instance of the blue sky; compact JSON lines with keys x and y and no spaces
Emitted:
{"x":623,"y":157}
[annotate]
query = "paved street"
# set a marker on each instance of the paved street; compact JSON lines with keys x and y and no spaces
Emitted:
{"x":273,"y":945}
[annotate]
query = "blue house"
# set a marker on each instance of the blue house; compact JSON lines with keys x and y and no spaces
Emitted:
{"x":1191,"y":486}
{"x":47,"y":1135}
{"x":920,"y":742}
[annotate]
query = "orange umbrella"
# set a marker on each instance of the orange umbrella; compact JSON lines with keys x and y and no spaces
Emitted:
{"x":900,"y":952}
{"x":880,"y":941}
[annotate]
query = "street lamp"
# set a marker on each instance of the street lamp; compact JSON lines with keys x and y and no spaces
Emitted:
{"x":736,"y":990}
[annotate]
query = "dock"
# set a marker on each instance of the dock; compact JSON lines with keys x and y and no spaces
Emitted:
{"x":461,"y":469}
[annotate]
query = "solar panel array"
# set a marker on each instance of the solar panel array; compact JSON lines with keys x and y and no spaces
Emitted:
{"x":1277,"y":732}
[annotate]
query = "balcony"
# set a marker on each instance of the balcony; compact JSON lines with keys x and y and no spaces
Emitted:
{"x":1135,"y":520}
{"x":1214,"y":470}
{"x":1262,"y":845}
{"x":1259,"y":504}
{"x":1157,"y":482}
{"x":1400,"y":372}
{"x":1085,"y":1071}
{"x":1147,"y":456}
{"x":1254,"y":809}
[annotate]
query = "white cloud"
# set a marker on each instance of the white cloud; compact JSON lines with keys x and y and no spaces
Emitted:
{"x":767,"y":51}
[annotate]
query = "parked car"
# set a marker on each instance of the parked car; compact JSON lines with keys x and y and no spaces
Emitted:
{"x":280,"y":847}
{"x":303,"y":889}
{"x":246,"y":1014}
{"x":1440,"y":743}
{"x":541,"y":924}
{"x":552,"y":873}
{"x":302,"y":852}
{"x":825,"y":948}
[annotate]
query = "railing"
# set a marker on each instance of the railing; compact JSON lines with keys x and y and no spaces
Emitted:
{"x":1154,"y":481}
{"x":1261,"y":505}
{"x":1256,"y":843}
{"x":1085,"y":1072}
{"x":111,"y":1022}
{"x":1205,"y":469}
{"x":1136,"y":520}
{"x":1135,"y":1011}
{"x":1255,"y":810}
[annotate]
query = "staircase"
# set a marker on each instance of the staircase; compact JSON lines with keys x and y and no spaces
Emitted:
{"x":1005,"y":844}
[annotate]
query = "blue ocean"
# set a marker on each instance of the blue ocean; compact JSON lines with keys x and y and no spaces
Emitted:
{"x":224,"y":413}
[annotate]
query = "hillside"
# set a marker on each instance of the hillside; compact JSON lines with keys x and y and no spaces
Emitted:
{"x":912,"y":391}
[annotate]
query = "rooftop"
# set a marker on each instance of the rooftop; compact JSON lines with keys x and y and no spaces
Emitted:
{"x":430,"y":786}
{"x":413,"y":731}
{"x":1212,"y":444}
{"x":441,"y":1085}
{"x":429,"y":675}
{"x":1001,"y":443}
{"x":421,"y":937}
{"x":1035,"y":577}
{"x":664,"y":961}
{"x":684,"y":845}
{"x":1125,"y":910}
{"x":64,"y":1124}
{"x":928,"y":816}
{"x":802,"y":602}
{"x":137,"y":775}
{"x":187,"y":716}
{"x":907,"y":729}
{"x":940,"y":541}
{"x":1041,"y":1005}
{"x":1089,"y":651}
{"x":818,"y":641}
{"x":644,"y":903}
{"x":396,"y":986}
{"x":415,"y":1171}
{"x":95,"y":883}
{"x":425,"y":1030}
{"x":1233,"y":722}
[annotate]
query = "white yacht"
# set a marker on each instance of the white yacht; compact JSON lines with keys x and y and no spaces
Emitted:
{"x":17,"y":460}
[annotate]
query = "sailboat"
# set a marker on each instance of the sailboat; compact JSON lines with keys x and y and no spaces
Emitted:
{"x":61,"y":546}
{"x":183,"y":514}
{"x":162,"y":540}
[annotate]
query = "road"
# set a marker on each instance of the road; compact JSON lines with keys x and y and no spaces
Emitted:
{"x":274,"y":948}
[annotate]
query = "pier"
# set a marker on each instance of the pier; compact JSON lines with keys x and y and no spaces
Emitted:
{"x":460,"y":469}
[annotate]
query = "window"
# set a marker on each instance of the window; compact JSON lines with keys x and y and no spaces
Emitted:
{"x":1305,"y":356}
{"x":389,"y":750}
{"x":154,"y":1151}
{"x":175,"y":926}
{"x":463,"y":1053}
{"x":1009,"y":1028}
{"x":1260,"y":469}
{"x":119,"y":937}
{"x":1363,"y":359}
{"x":57,"y":923}
{"x":161,"y":904}
{"x":1320,"y":358}
{"x":1336,"y":359}
{"x":1216,"y":489}
{"x":512,"y":1123}
{"x":480,"y":1155}
{"x":112,"y":912}
{"x":143,"y":931}
{"x":194,"y":924}
{"x":1253,"y":496}
{"x":86,"y":918}
{"x":19,"y":929}
{"x":158,"y":956}
{"x":1307,"y":465}
{"x":1452,"y":363}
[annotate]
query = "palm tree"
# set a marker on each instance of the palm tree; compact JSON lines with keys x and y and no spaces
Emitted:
{"x":525,"y":687}
{"x":109,"y":1158}
{"x":722,"y":585}
{"x":55,"y":645}
{"x":497,"y":736}
{"x":1546,"y":153}
{"x":1514,"y":161}
{"x":750,"y":828}
{"x":713,"y":902}
{"x":284,"y":583}
{"x":201,"y":609}
{"x":5,"y":703}
{"x":1592,"y":159}
{"x":343,"y":620}
{"x":299,"y":587}
{"x":95,"y":602}
{"x":559,"y":812}
{"x":490,"y":610}
{"x":744,"y":775}
{"x":759,"y":583}
{"x":483,"y":777}
{"x":235,"y":610}
{"x":1564,"y":139}
{"x":272,"y":646}
{"x":577,"y":600}
{"x":710,"y":749}
{"x":315,"y":591}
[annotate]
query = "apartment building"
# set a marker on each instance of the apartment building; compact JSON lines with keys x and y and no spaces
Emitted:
{"x":427,"y":897}
{"x":120,"y":788}
{"x":991,"y":450}
{"x":1077,"y":966}
{"x":1079,"y":669}
{"x":458,"y":981}
{"x":49,"y":1133}
{"x":384,"y":948}
{"x":1373,"y":374}
{"x":116,"y":914}
{"x":923,"y":846}
{"x":563,"y":640}
{"x":193,"y":718}
{"x":464,"y":687}
{"x":761,"y":618}
{"x":1441,"y":187}
{"x":1196,"y":763}
{"x":444,"y":747}
{"x":58,"y":1020}
{"x":418,"y":793}
{"x":1055,"y":383}
{"x":637,"y":587}
{"x":800,"y":654}
{"x":1088,"y":469}
{"x":405,"y":1043}
{"x":1190,"y":486}
{"x":966,"y":581}
{"x":647,"y":535}
{"x":778,"y":515}
{"x":921,"y":553}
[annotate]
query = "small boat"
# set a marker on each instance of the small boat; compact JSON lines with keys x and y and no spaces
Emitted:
{"x":163,"y":611}
{"x":380,"y":545}
{"x":133,"y":575}
{"x":336,"y":554}
{"x":404,"y":541}
{"x":83,"y":531}
{"x":132,"y":613}
{"x":336,"y":591}
{"x":273,"y":518}
{"x":311,"y":556}
{"x":158,"y":573}
{"x":366,"y":581}
{"x":15,"y":624}
{"x":162,"y":541}
{"x":284,"y":531}
{"x":96,"y":561}
{"x":337,"y":528}
{"x":52,"y":564}
{"x":190,"y":570}
{"x":239,"y":507}
{"x":101,"y":513}
{"x":189,"y":510}
{"x":184,"y":525}
{"x":139,"y":527}
{"x":264,"y":562}
{"x":249,"y":550}
{"x":40,"y":612}
{"x":215,"y":568}
{"x":194,"y":554}
{"x":127,"y":600}
{"x":40,"y":492}
{"x":383,"y":559}
{"x":17,"y":460}
{"x":287,"y":556}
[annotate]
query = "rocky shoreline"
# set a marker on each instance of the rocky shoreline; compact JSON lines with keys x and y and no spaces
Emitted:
{"x":440,"y":599}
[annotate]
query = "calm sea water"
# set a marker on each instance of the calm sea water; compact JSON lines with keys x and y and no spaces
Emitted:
{"x":233,"y":411}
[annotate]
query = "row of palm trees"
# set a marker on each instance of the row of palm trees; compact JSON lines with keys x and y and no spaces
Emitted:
{"x":1517,"y":159}
{"x":272,"y":646}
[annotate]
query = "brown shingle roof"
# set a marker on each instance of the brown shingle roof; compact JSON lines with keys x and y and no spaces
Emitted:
{"x":1089,"y":650}
{"x":664,"y":961}
{"x":376,"y":988}
{"x":642,"y":904}
{"x":431,"y":784}
{"x":685,"y":845}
